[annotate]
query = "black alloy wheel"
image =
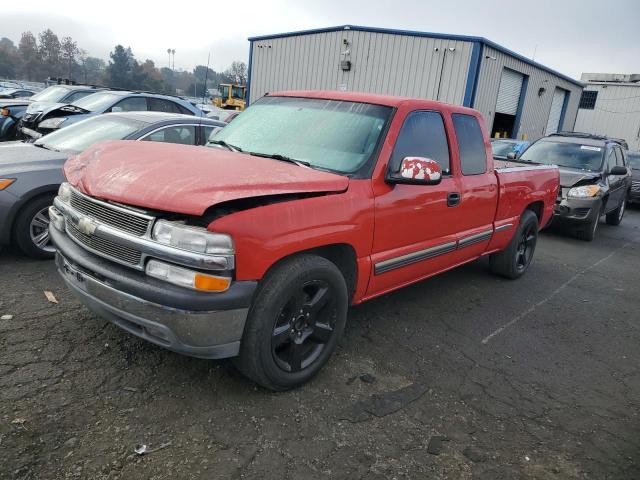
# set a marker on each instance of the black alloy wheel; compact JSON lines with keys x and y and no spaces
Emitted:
{"x":526,"y":246}
{"x":304,"y":326}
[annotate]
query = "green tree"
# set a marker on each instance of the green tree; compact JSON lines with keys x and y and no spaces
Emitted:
{"x":9,"y":58}
{"x":93,"y":70}
{"x":119,"y":72}
{"x":69,"y":52}
{"x":29,"y":56}
{"x":50,"y":52}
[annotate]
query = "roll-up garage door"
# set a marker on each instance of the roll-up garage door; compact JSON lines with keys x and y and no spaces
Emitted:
{"x":509,"y":92}
{"x":553,"y":124}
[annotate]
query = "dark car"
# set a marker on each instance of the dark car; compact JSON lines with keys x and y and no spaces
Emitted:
{"x":51,"y":98}
{"x":633,"y":159}
{"x":60,"y":116}
{"x":11,"y":111}
{"x":30,"y":173}
{"x":502,"y":147}
{"x":16,"y":93}
{"x":594,"y":178}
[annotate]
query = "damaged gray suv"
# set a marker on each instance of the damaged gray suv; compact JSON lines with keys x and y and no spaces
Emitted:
{"x":594,"y":178}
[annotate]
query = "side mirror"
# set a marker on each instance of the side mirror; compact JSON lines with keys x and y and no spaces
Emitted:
{"x":512,"y":156}
{"x":417,"y":171}
{"x":618,"y":170}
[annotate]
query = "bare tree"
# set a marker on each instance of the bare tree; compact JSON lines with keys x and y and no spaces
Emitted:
{"x":238,"y":72}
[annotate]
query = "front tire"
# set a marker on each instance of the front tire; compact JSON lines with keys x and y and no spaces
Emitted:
{"x":514,"y":261}
{"x":615,"y":217}
{"x":294,"y":323}
{"x":32,"y":229}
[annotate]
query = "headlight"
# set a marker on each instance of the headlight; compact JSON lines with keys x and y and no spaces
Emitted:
{"x":64,"y":192}
{"x":187,"y":278}
{"x":5,"y":182}
{"x":5,"y":112}
{"x":52,"y":122}
{"x":192,"y":238}
{"x":584,"y":191}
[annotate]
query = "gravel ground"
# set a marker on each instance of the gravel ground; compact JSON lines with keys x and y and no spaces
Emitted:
{"x":462,"y":376}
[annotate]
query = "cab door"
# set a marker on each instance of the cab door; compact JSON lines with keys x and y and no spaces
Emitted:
{"x":479,"y":187}
{"x":416,"y":226}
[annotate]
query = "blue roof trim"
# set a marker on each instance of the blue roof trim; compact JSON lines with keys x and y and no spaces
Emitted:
{"x":247,"y":94}
{"x":472,"y":75}
{"x":413,"y":33}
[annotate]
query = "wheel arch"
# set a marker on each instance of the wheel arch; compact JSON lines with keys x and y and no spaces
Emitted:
{"x":45,"y":190}
{"x":342,"y":255}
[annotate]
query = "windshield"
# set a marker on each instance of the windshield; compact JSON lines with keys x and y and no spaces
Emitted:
{"x":329,"y":134}
{"x":634,"y":160}
{"x":570,"y":155}
{"x":224,"y":91}
{"x":237,"y":92}
{"x":77,"y":137}
{"x":96,"y":102}
{"x":51,"y":94}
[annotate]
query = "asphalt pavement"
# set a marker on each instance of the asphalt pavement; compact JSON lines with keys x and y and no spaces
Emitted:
{"x":463,"y":376}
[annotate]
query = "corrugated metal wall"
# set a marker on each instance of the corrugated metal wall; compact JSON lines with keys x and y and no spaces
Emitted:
{"x":535,"y":111}
{"x":380,"y":63}
{"x":616,"y":113}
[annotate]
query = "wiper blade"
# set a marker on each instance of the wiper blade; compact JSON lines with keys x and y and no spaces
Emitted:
{"x":283,"y":158}
{"x":226,"y":145}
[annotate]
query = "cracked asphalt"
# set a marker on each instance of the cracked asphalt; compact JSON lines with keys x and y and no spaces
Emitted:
{"x":463,"y":376}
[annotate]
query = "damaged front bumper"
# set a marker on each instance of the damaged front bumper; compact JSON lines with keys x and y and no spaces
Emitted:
{"x":576,"y":210}
{"x":204,"y":325}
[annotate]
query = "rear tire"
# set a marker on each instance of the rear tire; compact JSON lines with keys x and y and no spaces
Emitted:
{"x":588,"y":232}
{"x":514,"y":261}
{"x":615,"y":217}
{"x":295,"y":322}
{"x":31,"y":231}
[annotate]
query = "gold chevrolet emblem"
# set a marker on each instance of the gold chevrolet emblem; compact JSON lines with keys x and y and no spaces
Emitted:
{"x":86,"y":226}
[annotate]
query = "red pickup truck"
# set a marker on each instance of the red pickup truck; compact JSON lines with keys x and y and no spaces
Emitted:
{"x":308,"y":202}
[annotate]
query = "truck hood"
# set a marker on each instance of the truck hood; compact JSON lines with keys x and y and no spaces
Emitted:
{"x":570,"y":177}
{"x":19,"y":157}
{"x":185,"y":179}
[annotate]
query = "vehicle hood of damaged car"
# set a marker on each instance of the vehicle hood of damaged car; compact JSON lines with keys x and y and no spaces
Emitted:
{"x":185,"y":179}
{"x":570,"y":177}
{"x":19,"y":157}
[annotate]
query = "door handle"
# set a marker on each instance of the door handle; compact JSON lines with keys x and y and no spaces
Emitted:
{"x":453,"y":199}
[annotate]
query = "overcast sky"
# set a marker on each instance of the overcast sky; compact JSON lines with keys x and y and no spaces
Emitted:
{"x":572,"y":36}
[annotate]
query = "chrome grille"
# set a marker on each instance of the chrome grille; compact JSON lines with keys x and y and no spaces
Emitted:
{"x":115,"y":251}
{"x":635,"y":186}
{"x":128,"y":221}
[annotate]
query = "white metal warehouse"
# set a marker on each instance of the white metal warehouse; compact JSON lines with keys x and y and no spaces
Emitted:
{"x":518,"y":97}
{"x":610,"y":106}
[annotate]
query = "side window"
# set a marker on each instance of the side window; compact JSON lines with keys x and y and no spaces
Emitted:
{"x":161,"y":105}
{"x":422,"y":135}
{"x":183,"y":134}
{"x":473,"y":156}
{"x":619,"y":157}
{"x":611,"y":159}
{"x":131,"y":104}
{"x":78,"y":95}
{"x":182,"y":109}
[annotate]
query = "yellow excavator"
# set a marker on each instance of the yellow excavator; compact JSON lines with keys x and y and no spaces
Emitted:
{"x":231,"y":97}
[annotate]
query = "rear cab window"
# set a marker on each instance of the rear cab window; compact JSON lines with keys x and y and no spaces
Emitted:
{"x":423,"y":134}
{"x":473,"y":155}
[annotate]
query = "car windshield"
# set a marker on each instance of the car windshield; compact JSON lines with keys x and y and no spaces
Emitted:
{"x":563,"y":154}
{"x":634,"y":160}
{"x":502,"y":148}
{"x":224,"y":91}
{"x":77,"y":137}
{"x":51,"y":94}
{"x":97,"y":102}
{"x":329,"y":134}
